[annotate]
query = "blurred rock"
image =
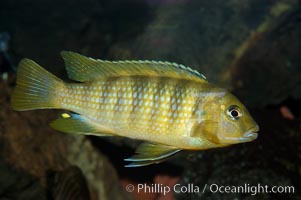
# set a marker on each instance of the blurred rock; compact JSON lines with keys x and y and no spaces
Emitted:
{"x":69,"y":184}
{"x":16,"y":184}
{"x":269,"y":71}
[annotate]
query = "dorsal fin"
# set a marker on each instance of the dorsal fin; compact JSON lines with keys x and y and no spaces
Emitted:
{"x":82,"y":68}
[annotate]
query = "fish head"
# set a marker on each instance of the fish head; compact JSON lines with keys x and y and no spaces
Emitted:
{"x":227,"y":121}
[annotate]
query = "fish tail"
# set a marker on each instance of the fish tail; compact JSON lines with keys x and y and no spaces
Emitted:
{"x":36,"y":88}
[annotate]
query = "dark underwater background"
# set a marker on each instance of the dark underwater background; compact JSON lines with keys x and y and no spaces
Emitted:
{"x":251,"y":47}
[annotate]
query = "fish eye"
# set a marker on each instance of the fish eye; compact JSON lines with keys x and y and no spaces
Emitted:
{"x":234,"y":112}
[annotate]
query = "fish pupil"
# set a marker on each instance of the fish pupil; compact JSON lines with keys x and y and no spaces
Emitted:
{"x":234,"y":113}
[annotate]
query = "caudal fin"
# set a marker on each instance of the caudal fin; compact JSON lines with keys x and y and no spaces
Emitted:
{"x":35,"y":88}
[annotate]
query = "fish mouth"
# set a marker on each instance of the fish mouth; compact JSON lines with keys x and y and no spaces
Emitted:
{"x":250,"y":135}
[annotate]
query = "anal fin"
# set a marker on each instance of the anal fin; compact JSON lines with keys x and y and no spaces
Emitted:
{"x":75,"y":123}
{"x":150,"y":153}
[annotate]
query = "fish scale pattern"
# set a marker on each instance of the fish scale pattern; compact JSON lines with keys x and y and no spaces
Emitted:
{"x":133,"y":104}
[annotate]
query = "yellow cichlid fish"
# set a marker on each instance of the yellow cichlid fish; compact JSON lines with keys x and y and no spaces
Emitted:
{"x":168,"y":105}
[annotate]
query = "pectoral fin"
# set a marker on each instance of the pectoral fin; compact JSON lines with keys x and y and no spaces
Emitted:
{"x":75,"y":123}
{"x":207,"y":128}
{"x":149,"y":153}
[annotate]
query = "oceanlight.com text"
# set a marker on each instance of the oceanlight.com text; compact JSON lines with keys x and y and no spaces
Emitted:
{"x":250,"y":189}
